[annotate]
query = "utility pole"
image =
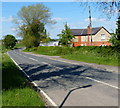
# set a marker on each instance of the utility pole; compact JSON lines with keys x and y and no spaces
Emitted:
{"x":90,"y":24}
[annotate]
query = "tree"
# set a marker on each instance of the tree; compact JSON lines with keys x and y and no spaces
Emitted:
{"x":118,"y":29}
{"x":9,"y":41}
{"x":66,"y":36}
{"x":31,"y":21}
{"x":115,"y":39}
{"x":107,"y":7}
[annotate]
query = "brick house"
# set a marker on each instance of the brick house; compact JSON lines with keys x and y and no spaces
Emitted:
{"x":100,"y":37}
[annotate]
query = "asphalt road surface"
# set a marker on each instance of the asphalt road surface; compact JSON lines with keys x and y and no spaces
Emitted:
{"x":67,"y":84}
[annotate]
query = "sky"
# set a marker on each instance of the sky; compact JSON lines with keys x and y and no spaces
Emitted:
{"x":73,"y":13}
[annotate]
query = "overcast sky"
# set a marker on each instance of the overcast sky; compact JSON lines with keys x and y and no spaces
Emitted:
{"x":71,"y":12}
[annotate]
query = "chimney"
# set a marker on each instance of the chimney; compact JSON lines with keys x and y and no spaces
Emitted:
{"x":88,"y":33}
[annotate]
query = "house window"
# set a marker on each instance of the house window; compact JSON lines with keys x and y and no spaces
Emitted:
{"x":102,"y":36}
{"x":75,"y":39}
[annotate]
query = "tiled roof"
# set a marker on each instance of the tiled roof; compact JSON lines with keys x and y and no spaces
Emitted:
{"x":83,"y":32}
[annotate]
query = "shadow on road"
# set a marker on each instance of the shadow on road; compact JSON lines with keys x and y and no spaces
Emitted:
{"x":49,"y":76}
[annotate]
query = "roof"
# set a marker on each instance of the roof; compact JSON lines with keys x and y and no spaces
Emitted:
{"x":83,"y":32}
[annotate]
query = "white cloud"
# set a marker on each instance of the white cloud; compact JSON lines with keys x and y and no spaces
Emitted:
{"x":9,"y":19}
{"x":60,"y":19}
{"x":14,"y":29}
{"x":96,"y":19}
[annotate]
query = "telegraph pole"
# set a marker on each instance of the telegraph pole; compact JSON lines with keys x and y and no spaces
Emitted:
{"x":90,"y":24}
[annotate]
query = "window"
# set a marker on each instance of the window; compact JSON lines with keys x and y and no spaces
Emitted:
{"x":75,"y":39}
{"x":102,"y":36}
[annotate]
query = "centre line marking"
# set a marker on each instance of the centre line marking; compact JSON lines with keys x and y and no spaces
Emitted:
{"x":32,"y":59}
{"x":52,"y":65}
{"x":90,"y":78}
{"x":85,"y":77}
{"x":102,"y":82}
{"x":28,"y":57}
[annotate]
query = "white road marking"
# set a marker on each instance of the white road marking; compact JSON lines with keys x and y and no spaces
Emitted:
{"x":85,"y":77}
{"x":52,"y":65}
{"x":90,"y":78}
{"x":32,"y":59}
{"x":17,"y":65}
{"x":102,"y":82}
{"x":27,"y":57}
{"x":46,"y":96}
{"x":45,"y":63}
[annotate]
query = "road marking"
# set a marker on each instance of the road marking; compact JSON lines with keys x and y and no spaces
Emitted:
{"x":64,"y":61}
{"x":45,"y":63}
{"x":32,"y":59}
{"x":18,"y":65}
{"x":90,"y":78}
{"x":52,"y":65}
{"x":27,"y":57}
{"x":102,"y":82}
{"x":46,"y":96}
{"x":85,"y":77}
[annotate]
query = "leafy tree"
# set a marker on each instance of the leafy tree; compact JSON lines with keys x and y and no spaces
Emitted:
{"x":115,"y":39}
{"x":9,"y":41}
{"x":66,"y":36}
{"x":31,"y":21}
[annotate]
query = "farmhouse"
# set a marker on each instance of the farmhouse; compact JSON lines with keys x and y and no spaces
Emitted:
{"x":97,"y":36}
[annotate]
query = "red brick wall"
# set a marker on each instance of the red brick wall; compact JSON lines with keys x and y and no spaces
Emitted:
{"x":77,"y":43}
{"x":88,"y":39}
{"x":100,"y":43}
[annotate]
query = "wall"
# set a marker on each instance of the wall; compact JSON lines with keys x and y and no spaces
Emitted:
{"x":96,"y":39}
{"x":77,"y":43}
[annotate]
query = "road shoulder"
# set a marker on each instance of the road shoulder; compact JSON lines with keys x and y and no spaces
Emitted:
{"x":93,"y":65}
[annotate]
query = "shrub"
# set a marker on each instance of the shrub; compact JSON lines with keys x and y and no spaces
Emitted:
{"x":100,"y":51}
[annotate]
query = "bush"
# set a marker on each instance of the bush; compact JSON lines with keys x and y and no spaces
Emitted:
{"x":9,"y":41}
{"x":99,"y":51}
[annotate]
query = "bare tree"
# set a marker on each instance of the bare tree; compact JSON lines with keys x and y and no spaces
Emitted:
{"x":108,"y":7}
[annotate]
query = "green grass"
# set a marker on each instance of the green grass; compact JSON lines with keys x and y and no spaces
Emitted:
{"x":21,"y":97}
{"x":4,"y":50}
{"x":16,"y":90}
{"x":107,"y":55}
{"x":92,"y":59}
{"x":19,"y":45}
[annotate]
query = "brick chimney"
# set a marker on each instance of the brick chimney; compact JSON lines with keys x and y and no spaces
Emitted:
{"x":88,"y":33}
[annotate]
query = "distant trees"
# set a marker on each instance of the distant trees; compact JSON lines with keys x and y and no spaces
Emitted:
{"x":115,"y":39}
{"x":31,"y":21}
{"x":9,"y":41}
{"x":66,"y":37}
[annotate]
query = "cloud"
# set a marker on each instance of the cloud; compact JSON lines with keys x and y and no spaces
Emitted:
{"x":60,"y":19}
{"x":14,"y":29}
{"x":9,"y":19}
{"x":96,"y":19}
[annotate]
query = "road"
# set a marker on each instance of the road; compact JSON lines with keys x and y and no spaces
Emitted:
{"x":68,"y":84}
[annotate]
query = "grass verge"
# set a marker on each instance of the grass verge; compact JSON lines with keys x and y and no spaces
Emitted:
{"x":107,"y":55}
{"x":16,"y":91}
{"x":18,"y":45}
{"x":92,"y":59}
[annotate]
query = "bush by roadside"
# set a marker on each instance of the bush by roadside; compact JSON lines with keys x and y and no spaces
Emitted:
{"x":107,"y":55}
